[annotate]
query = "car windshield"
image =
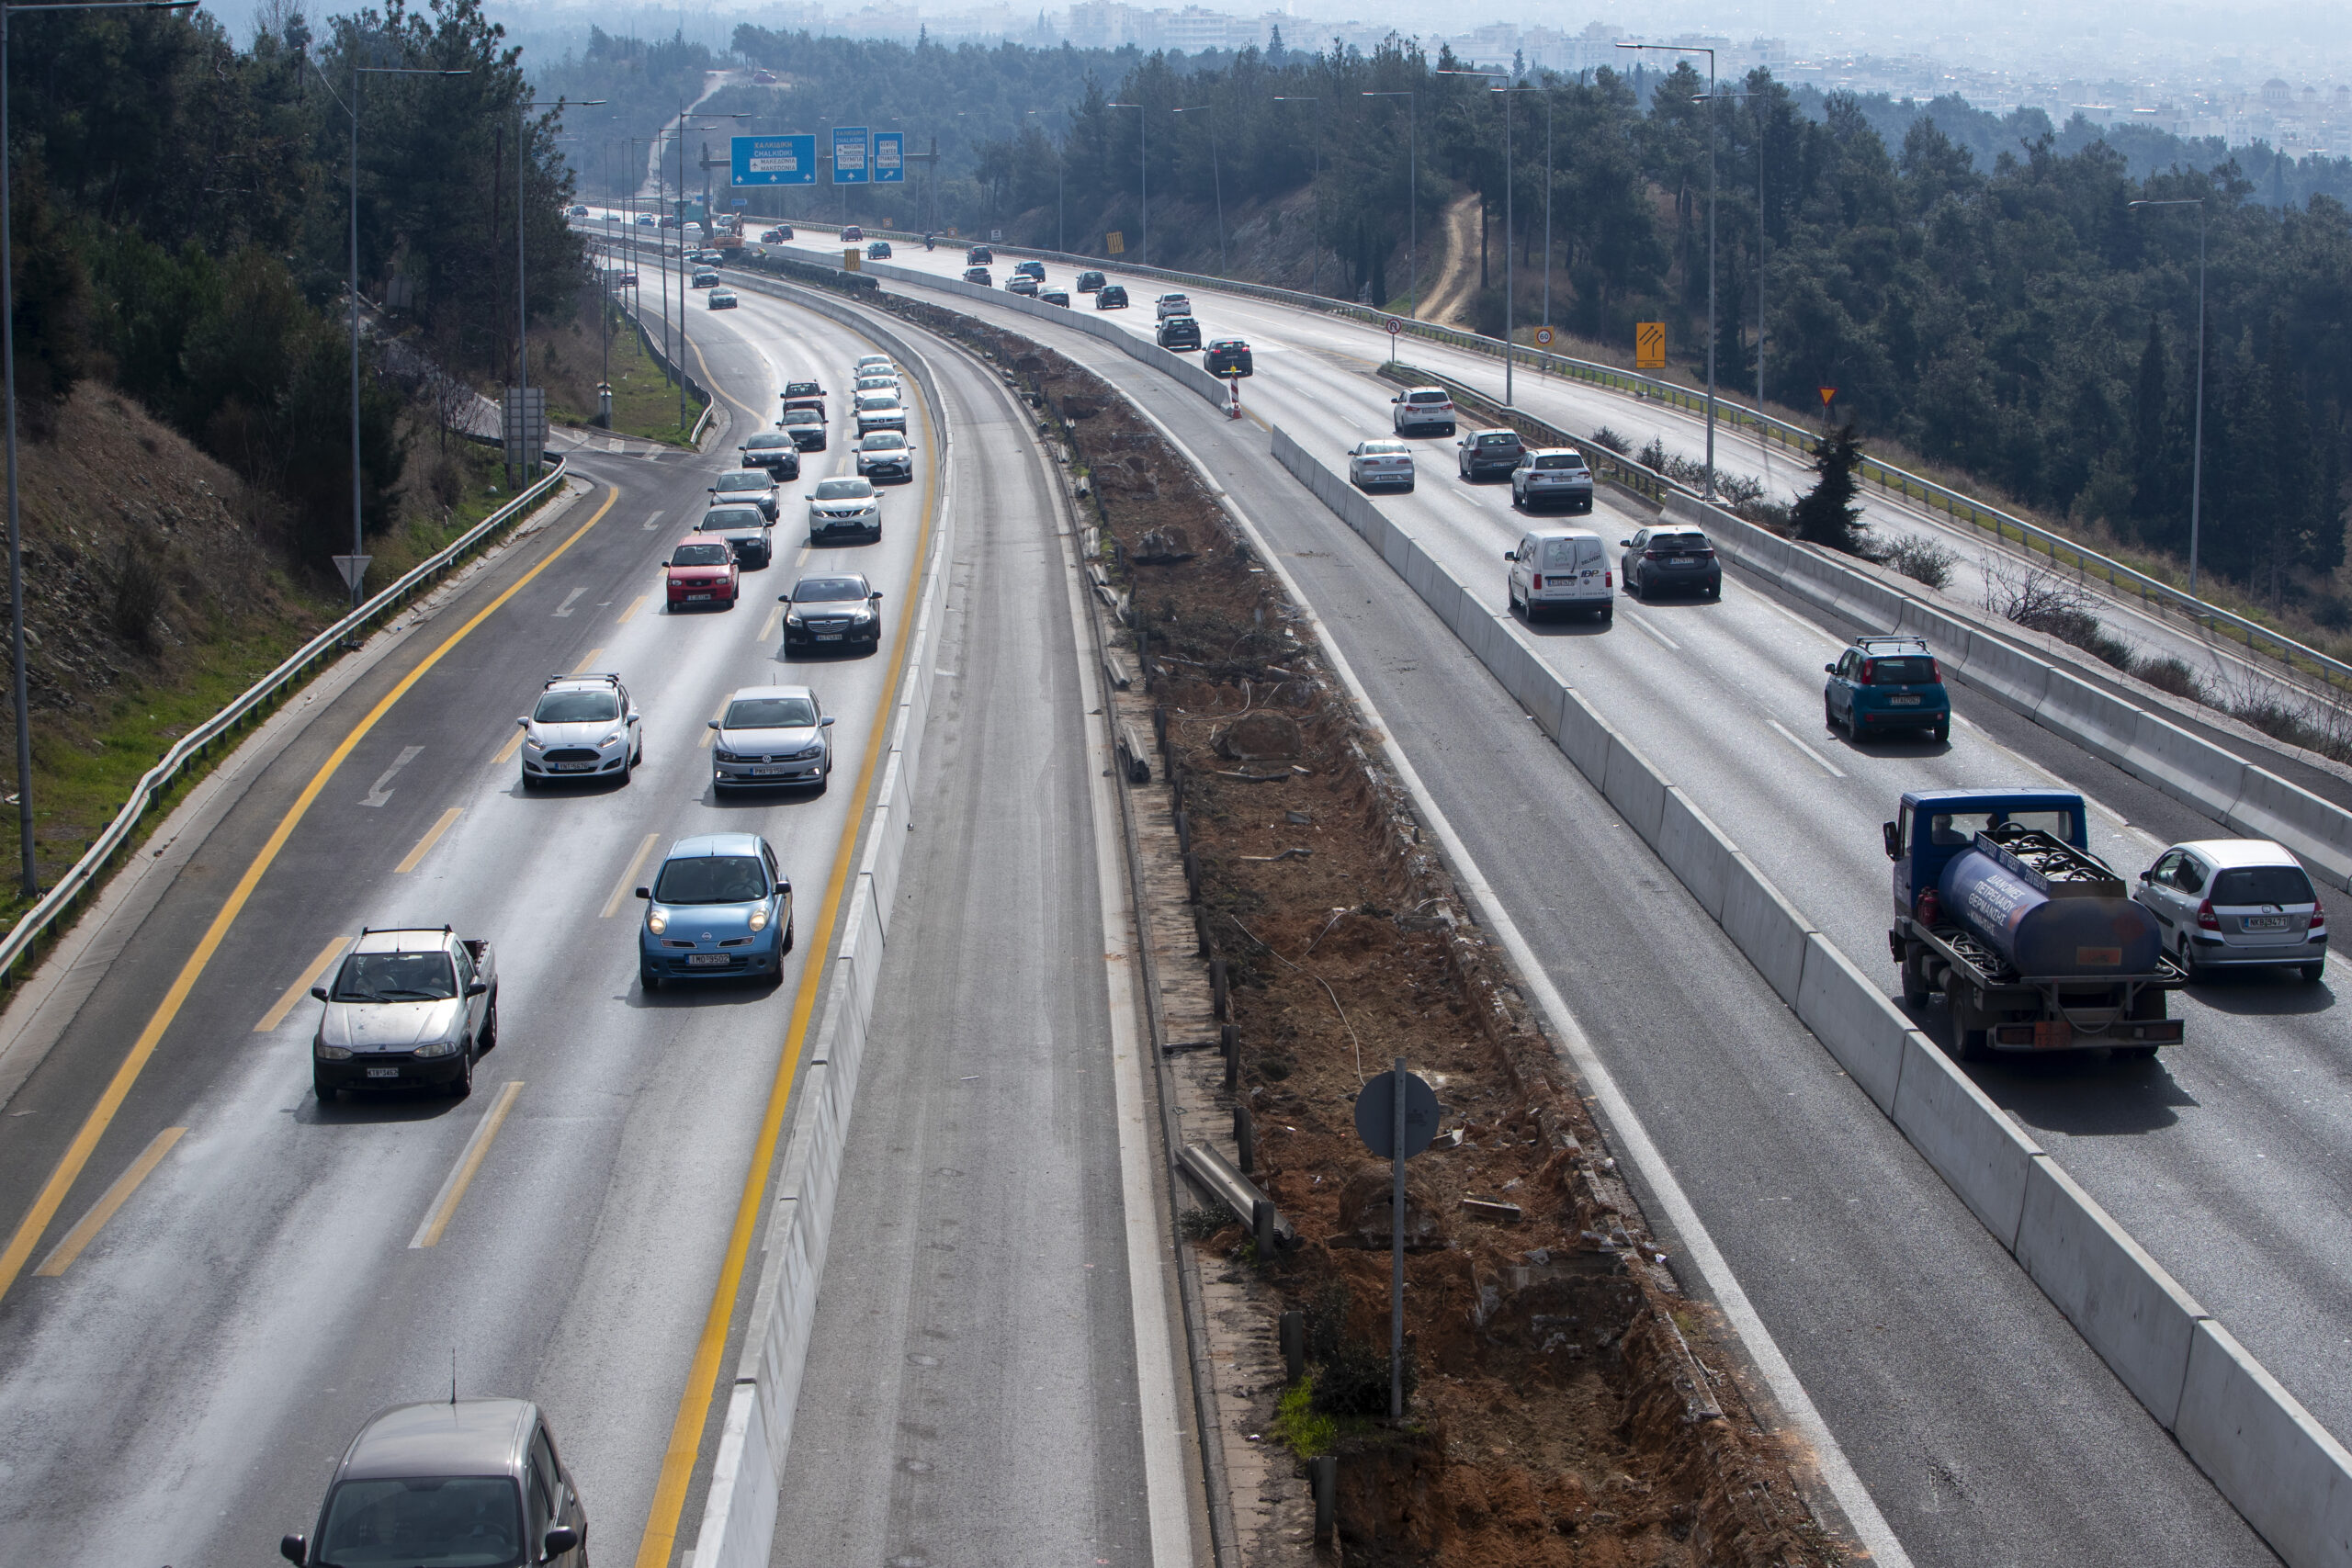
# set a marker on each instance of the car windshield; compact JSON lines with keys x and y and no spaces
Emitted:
{"x":883,"y":441}
{"x":698,"y":555}
{"x":724,"y":517}
{"x":743,"y":481}
{"x":1678,"y":544}
{"x":762,"y":442}
{"x":1425,"y":397}
{"x":769,"y":713}
{"x":803,"y":416}
{"x":844,"y":489}
{"x":821,"y":588}
{"x":877,"y":402}
{"x":1560,"y":460}
{"x":711,"y":879}
{"x":1498,"y":439}
{"x":802,"y":389}
{"x":1384,"y":448}
{"x":439,"y":1521}
{"x":577,"y":707}
{"x":396,"y":977}
{"x":1902,"y":671}
{"x":1560,"y":554}
{"x":2262,"y":884}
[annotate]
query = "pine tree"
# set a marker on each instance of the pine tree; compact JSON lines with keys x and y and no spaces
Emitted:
{"x":2152,"y":492}
{"x":1827,"y":514}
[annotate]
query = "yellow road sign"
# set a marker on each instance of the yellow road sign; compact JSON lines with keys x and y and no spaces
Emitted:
{"x":1649,"y":346}
{"x":1115,"y":242}
{"x":853,"y":260}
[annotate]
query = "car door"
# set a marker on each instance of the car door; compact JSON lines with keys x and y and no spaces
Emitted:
{"x":1633,"y":549}
{"x":1520,"y":489}
{"x":2159,"y":894}
{"x":1841,"y":686}
{"x":1522,"y":569}
{"x":636,"y":721}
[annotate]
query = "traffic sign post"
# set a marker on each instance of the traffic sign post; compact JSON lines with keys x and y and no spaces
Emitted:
{"x":1396,"y":1116}
{"x":1115,"y":242}
{"x":1649,"y":346}
{"x":889,"y":157}
{"x":850,"y":163}
{"x":354,"y":568}
{"x":1542,"y":338}
{"x":772,"y":161}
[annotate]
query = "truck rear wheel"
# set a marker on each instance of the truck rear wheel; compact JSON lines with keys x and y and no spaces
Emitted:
{"x":1915,"y":991}
{"x":1972,"y":1045}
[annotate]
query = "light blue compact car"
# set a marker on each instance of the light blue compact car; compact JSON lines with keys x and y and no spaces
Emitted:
{"x":718,"y":907}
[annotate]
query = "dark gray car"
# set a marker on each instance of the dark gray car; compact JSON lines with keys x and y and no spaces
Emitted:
{"x":754,"y":485}
{"x":1673,"y":561}
{"x":747,"y":531}
{"x":1482,"y":453}
{"x":471,"y":1480}
{"x":837,"y":610}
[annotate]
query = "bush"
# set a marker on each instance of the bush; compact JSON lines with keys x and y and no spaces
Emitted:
{"x":1609,"y":438}
{"x":1920,"y":560}
{"x":1355,"y":1381}
{"x":2171,"y":673}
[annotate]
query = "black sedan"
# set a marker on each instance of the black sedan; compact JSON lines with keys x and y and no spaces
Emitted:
{"x":1226,"y":356}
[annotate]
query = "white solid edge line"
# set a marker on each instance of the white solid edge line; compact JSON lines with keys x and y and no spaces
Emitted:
{"x":1168,"y":1505}
{"x":1877,"y":1536}
{"x":1832,"y":769}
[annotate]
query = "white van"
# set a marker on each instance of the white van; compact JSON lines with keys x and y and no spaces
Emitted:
{"x":1561,"y":569}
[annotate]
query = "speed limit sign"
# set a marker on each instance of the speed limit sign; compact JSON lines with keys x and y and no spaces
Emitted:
{"x":1542,"y":338}
{"x":1395,"y":325}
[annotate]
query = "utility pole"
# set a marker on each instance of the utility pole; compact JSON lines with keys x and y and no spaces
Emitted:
{"x":1678,"y":49}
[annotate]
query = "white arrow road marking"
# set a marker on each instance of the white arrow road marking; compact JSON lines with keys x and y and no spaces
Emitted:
{"x":569,"y":599}
{"x":381,"y":792}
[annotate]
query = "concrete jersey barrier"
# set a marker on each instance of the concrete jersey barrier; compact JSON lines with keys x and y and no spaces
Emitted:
{"x":2288,"y":1478}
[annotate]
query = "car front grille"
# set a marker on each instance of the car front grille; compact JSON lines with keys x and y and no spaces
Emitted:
{"x":570,"y":754}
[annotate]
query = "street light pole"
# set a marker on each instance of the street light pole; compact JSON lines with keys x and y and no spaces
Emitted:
{"x":1678,"y":49}
{"x":1143,"y":133}
{"x":1510,"y":273}
{"x":1413,"y":172}
{"x":2197,"y":419}
{"x":1217,"y":175}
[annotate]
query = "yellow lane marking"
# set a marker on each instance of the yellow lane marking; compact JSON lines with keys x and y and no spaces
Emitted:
{"x":514,"y":744}
{"x":655,"y":1547}
{"x":77,"y":1154}
{"x":630,"y":613}
{"x":301,"y":987}
{"x":627,"y":883}
{"x":461,"y":1176}
{"x":767,"y":628}
{"x":709,"y":734}
{"x":62,"y":1254}
{"x":587,"y":665}
{"x":432,"y":837}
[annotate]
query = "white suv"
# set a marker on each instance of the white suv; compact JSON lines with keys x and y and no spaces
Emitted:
{"x":1173,"y":305}
{"x":1421,"y":408}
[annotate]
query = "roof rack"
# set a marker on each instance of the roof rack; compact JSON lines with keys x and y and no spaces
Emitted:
{"x":607,"y":676}
{"x":1868,"y":638}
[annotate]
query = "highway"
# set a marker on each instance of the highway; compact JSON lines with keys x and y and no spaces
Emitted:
{"x":226,"y":1276}
{"x":1984,"y":1428}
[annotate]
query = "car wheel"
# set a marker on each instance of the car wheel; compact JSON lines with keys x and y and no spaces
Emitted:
{"x":2195,"y":970}
{"x":785,"y":946}
{"x":1715,"y":590}
{"x":1828,"y":716}
{"x":1942,"y":732}
{"x":529,"y":783}
{"x":1914,"y":989}
{"x":2313,"y":972}
{"x":628,"y":766}
{"x":1408,"y":487}
{"x":324,"y":1090}
{"x":489,"y":1030}
{"x":463,"y":1084}
{"x":1608,"y":614}
{"x":646,"y":979}
{"x":1633,"y":586}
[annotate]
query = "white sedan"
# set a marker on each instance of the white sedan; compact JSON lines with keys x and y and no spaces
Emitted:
{"x":1372,"y":464}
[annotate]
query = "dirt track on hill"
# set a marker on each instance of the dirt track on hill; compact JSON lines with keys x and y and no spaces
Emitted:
{"x":1454,"y":297}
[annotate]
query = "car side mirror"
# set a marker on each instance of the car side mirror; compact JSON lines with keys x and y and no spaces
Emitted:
{"x":742,"y":448}
{"x":1829,"y":669}
{"x":1396,"y":400}
{"x":477,"y":988}
{"x":293,"y":1547}
{"x":2147,"y":876}
{"x":826,"y":722}
{"x":523,"y":721}
{"x":784,"y":598}
{"x":1627,"y":543}
{"x":714,"y":724}
{"x":645,"y":893}
{"x":321,"y":991}
{"x":560,"y":1539}
{"x":876,"y":594}
{"x":1510,"y":555}
{"x":1892,"y":836}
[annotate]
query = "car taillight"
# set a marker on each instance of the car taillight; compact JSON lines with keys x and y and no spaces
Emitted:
{"x":2205,"y":920}
{"x":1608,"y":579}
{"x":2319,"y":913}
{"x":1652,"y":555}
{"x":1935,"y":673}
{"x":1539,"y":580}
{"x":1869,"y":670}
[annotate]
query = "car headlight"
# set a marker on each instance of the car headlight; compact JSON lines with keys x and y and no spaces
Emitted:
{"x":440,"y":1048}
{"x":612,"y":739}
{"x":327,"y":1053}
{"x":534,"y":743}
{"x":759,"y":918}
{"x":810,"y":753}
{"x":863,"y":616}
{"x":792,"y":620}
{"x":722,"y":754}
{"x":657,"y":921}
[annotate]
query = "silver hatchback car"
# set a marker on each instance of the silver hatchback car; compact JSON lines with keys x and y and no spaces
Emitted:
{"x":2233,"y":903}
{"x":770,"y":736}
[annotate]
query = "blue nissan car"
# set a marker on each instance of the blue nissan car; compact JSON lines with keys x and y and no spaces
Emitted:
{"x":718,"y":907}
{"x":1882,"y":683}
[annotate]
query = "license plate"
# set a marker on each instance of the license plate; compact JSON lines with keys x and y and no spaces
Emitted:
{"x":383,"y":1072}
{"x":705,"y":961}
{"x":692,"y":598}
{"x":1687,"y":560}
{"x":766,"y":773}
{"x":829,"y":637}
{"x":2265,"y":922}
{"x":1903,"y":701}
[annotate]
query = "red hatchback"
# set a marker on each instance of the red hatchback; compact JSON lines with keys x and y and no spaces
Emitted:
{"x":702,"y":571}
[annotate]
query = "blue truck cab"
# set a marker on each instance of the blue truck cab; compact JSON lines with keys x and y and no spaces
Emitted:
{"x":1882,"y":683}
{"x":2033,"y":943}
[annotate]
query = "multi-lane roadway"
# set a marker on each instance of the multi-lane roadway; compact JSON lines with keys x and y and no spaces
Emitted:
{"x":1981,"y":1426}
{"x":223,"y":1277}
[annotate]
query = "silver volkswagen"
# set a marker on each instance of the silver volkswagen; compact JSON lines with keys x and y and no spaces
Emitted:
{"x":772,"y":735}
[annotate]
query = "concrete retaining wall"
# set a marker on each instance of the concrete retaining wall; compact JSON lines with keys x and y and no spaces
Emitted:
{"x":2289,"y":1479}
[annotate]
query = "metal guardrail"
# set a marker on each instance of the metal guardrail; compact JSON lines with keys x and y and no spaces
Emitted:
{"x":2152,"y":592}
{"x":87,"y":871}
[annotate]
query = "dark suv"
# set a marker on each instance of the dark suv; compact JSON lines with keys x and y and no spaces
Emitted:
{"x":1035,"y":269}
{"x":1483,"y":452}
{"x":469,"y":1480}
{"x":1111,"y":297}
{"x":1226,"y":356}
{"x":1088,"y":282}
{"x":1180,"y":331}
{"x":1658,"y":559}
{"x":979,"y":256}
